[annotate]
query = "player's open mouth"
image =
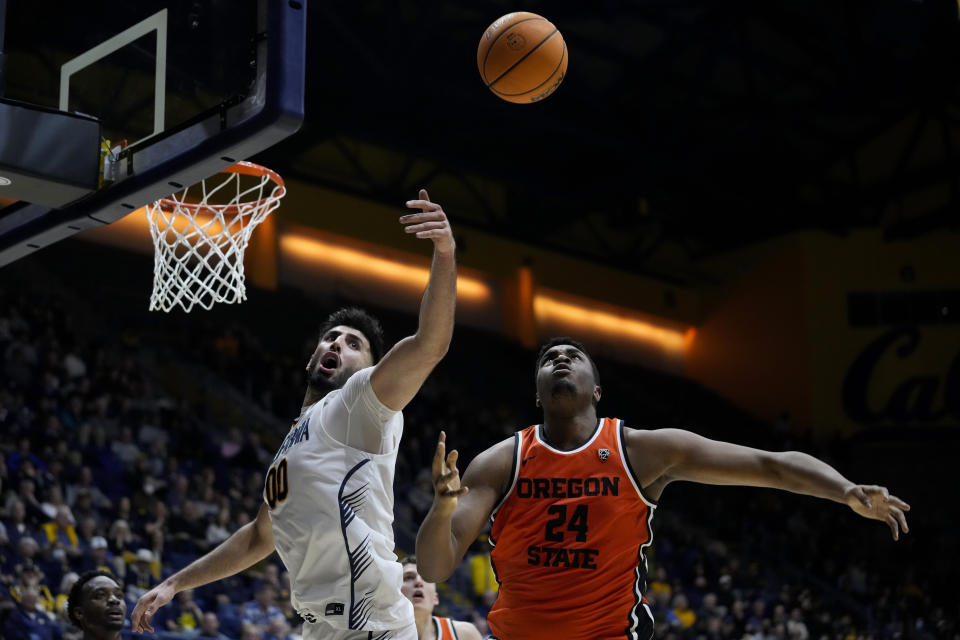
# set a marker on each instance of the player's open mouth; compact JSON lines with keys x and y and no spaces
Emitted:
{"x":329,"y":362}
{"x":418,"y":594}
{"x":562,"y":367}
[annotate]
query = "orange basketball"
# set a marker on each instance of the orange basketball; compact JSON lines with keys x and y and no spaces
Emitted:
{"x":522,"y":57}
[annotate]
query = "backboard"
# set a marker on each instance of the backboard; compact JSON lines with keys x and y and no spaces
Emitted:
{"x":179,"y":89}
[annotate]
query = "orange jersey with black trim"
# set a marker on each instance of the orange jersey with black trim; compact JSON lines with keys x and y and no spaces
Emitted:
{"x":444,"y":628}
{"x":568,"y":542}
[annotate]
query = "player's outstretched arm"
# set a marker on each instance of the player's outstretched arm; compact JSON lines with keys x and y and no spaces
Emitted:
{"x":458,"y":513}
{"x":399,"y":375}
{"x":665,"y":455}
{"x":250,"y":544}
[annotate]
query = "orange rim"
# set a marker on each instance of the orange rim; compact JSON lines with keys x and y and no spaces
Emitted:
{"x":242,"y":167}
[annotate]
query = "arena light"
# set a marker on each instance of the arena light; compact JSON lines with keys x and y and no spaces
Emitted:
{"x":548,"y":308}
{"x":366,"y":264}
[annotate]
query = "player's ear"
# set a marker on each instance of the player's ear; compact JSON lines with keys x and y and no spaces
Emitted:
{"x":597,"y":392}
{"x":538,"y":400}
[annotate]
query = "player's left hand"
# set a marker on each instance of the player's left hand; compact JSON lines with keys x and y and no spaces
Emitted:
{"x":446,"y":476}
{"x":876,"y":503}
{"x":431,"y":223}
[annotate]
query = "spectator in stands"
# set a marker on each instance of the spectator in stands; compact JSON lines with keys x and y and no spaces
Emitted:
{"x":85,"y":483}
{"x":680,"y":616}
{"x":23,"y":453}
{"x":277,"y":629}
{"x":97,"y":607}
{"x":27,"y":493}
{"x":262,"y":609}
{"x":28,"y":620}
{"x":54,"y":499}
{"x":220,"y":527}
{"x":98,"y":558}
{"x":157,"y":516}
{"x":482,"y":576}
{"x":27,"y":553}
{"x":124,"y":509}
{"x":140,"y":576}
{"x":17,"y":525}
{"x":122,"y":542}
{"x":709,"y":608}
{"x":796,"y":627}
{"x":188,"y":531}
{"x":63,"y":593}
{"x":86,"y":532}
{"x":184,"y":614}
{"x":29,"y":576}
{"x":210,"y":627}
{"x":60,"y":532}
{"x":250,"y":631}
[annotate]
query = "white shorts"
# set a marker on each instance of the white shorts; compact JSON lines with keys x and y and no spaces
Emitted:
{"x":323,"y":631}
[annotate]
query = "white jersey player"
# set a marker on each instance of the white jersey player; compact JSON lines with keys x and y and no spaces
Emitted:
{"x":328,"y":494}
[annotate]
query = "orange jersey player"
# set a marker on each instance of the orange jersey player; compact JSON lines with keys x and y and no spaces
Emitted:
{"x":572,"y":502}
{"x":424,"y":597}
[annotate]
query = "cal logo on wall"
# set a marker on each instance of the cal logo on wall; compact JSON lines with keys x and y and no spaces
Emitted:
{"x":907,"y":370}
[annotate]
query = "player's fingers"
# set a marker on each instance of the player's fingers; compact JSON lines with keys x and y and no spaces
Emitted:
{"x":136,"y":615}
{"x":455,"y":493}
{"x":439,"y":455}
{"x":425,"y":226}
{"x":894,"y":528}
{"x":862,"y":496}
{"x":452,"y":458}
{"x":447,"y":477}
{"x":434,"y":233}
{"x":424,"y":205}
{"x":902,"y":519}
{"x":143,"y":623}
{"x":423,"y":216}
{"x":899,"y":504}
{"x":424,"y":195}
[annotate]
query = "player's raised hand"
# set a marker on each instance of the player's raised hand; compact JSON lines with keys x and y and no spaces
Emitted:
{"x":431,"y":223}
{"x":446,"y":477}
{"x":148,"y":604}
{"x":876,"y":503}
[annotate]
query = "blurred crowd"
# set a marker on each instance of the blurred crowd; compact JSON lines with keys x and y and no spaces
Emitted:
{"x":108,"y":460}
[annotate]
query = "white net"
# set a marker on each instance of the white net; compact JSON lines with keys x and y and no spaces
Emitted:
{"x":200,"y":235}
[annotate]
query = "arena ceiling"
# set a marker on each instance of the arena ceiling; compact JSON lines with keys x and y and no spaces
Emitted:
{"x":683,"y":128}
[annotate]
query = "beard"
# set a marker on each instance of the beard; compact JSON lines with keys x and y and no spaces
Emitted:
{"x":319,"y":381}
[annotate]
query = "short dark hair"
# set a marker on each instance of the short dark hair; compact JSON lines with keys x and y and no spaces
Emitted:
{"x":411,"y":559}
{"x":552,"y":342}
{"x":76,"y":592}
{"x":361,"y":321}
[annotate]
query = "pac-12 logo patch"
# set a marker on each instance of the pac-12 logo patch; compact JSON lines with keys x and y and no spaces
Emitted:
{"x":604,"y":454}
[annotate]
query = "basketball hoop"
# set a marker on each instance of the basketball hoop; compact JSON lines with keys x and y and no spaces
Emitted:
{"x":199,"y":238}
